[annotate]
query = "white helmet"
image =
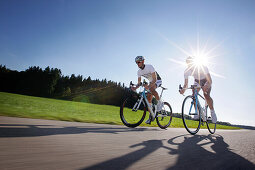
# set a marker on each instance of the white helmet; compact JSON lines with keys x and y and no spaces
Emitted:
{"x":139,"y":58}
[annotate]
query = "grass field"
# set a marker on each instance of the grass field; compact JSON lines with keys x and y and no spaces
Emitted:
{"x":35,"y":107}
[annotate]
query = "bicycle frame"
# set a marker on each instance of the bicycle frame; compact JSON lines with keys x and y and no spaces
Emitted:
{"x":195,"y":95}
{"x":144,"y":99}
{"x":198,"y":105}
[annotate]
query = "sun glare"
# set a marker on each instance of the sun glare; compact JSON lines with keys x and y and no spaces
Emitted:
{"x":200,"y":61}
{"x":201,"y":56}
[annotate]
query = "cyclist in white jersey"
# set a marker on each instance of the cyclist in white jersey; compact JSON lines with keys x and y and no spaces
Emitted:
{"x":203,"y":78}
{"x":148,"y":71}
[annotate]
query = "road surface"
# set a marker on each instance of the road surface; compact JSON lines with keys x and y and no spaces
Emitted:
{"x":32,"y":144}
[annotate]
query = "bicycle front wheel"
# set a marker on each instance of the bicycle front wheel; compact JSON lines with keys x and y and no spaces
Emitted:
{"x":210,"y":126}
{"x":190,"y":116}
{"x":129,"y":117}
{"x":164,"y":117}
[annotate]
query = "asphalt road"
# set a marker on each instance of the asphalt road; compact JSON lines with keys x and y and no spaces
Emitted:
{"x":32,"y":144}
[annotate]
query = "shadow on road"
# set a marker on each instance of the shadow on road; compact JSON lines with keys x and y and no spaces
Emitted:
{"x":191,"y":154}
{"x":25,"y":130}
{"x":127,"y":160}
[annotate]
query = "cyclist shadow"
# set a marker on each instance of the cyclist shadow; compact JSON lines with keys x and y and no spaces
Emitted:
{"x":127,"y":160}
{"x":29,"y":130}
{"x":193,"y":155}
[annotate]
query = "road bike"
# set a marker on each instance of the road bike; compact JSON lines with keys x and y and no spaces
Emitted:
{"x":135,"y":105}
{"x":193,"y":113}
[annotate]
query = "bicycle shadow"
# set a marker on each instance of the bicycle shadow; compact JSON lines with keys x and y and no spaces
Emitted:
{"x":129,"y":159}
{"x":28,"y":130}
{"x":193,"y":155}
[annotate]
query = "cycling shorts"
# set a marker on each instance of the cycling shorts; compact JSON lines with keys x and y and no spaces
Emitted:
{"x":200,"y":82}
{"x":158,"y":83}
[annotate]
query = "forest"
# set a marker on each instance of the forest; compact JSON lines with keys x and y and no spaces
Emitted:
{"x":50,"y":83}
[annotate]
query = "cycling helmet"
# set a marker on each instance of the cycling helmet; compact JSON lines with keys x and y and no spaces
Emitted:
{"x":189,"y":59}
{"x":139,"y":58}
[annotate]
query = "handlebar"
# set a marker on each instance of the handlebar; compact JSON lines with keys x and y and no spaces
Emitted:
{"x":191,"y":87}
{"x":131,"y":83}
{"x":141,"y":84}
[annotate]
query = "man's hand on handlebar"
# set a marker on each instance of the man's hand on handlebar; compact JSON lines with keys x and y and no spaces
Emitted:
{"x":182,"y":91}
{"x":134,"y":88}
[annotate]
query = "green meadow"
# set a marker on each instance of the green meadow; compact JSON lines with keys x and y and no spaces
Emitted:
{"x":44,"y":108}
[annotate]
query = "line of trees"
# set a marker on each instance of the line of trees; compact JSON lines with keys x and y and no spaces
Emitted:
{"x":52,"y":84}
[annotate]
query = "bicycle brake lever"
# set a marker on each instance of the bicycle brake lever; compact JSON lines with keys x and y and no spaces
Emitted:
{"x":180,"y":87}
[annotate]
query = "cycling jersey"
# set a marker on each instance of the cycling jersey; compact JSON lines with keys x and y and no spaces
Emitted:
{"x":147,"y":72}
{"x":198,"y":73}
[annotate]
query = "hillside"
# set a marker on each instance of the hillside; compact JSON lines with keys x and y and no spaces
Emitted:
{"x":44,"y":108}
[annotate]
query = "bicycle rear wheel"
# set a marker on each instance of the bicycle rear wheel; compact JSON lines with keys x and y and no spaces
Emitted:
{"x":129,"y":117}
{"x":210,"y":126}
{"x":164,"y":117}
{"x":191,"y":118}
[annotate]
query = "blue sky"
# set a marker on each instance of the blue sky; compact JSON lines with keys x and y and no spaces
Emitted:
{"x":101,"y":39}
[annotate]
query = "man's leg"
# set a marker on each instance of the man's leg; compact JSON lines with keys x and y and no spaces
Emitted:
{"x":155,"y":93}
{"x":149,"y":98}
{"x":209,"y":101}
{"x":208,"y":98}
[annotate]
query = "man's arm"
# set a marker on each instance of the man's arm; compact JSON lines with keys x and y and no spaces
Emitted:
{"x":154,"y":79}
{"x":138,"y":84}
{"x":184,"y":86}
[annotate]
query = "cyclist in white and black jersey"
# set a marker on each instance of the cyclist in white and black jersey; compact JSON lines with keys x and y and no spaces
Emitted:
{"x":203,"y":78}
{"x":148,"y":71}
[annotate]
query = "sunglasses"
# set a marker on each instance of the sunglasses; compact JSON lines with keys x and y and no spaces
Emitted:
{"x":138,"y":62}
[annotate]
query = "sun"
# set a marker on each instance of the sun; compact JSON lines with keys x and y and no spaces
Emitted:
{"x":202,"y":55}
{"x":200,"y":60}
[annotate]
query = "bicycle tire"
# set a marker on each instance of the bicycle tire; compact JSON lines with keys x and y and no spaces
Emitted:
{"x":191,"y":125}
{"x":210,"y":126}
{"x":164,"y":118}
{"x":132,"y":118}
